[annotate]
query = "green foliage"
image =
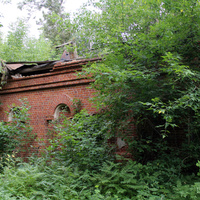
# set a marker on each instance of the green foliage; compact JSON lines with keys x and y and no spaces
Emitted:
{"x":55,"y":23}
{"x":42,"y":179}
{"x":16,"y":136}
{"x":149,"y":77}
{"x":57,"y":27}
{"x":137,"y":181}
{"x":80,"y":167}
{"x":38,"y":49}
{"x":18,"y":47}
{"x":81,"y":141}
{"x":77,"y":104}
{"x":149,"y":71}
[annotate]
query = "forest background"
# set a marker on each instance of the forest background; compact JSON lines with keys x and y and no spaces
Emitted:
{"x":149,"y":76}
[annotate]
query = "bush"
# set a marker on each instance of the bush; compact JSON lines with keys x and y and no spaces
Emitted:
{"x":16,"y":135}
{"x":40,"y":179}
{"x":81,"y":141}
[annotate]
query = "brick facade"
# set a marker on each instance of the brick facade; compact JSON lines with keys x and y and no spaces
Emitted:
{"x":45,"y":92}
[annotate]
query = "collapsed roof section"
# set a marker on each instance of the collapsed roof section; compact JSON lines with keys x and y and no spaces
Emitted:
{"x":20,"y":69}
{"x":24,"y":69}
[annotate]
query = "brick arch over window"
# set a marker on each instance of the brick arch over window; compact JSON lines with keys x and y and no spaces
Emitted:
{"x":63,"y":100}
{"x":62,"y":109}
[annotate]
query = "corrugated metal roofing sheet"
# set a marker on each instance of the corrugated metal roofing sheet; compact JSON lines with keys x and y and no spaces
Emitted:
{"x":14,"y":66}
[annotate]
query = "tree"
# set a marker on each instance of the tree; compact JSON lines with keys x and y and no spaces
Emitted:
{"x":149,"y":71}
{"x":18,"y":47}
{"x":54,"y":19}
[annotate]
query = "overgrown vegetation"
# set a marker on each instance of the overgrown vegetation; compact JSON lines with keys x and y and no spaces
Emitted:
{"x":81,"y":141}
{"x":149,"y":73}
{"x":17,"y":46}
{"x":40,"y":179}
{"x":79,"y":164}
{"x":16,"y":135}
{"x":149,"y":78}
{"x":55,"y":22}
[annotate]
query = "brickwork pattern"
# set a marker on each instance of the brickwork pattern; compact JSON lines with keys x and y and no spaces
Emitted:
{"x":44,"y":93}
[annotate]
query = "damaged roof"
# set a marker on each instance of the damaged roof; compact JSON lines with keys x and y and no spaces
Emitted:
{"x":22,"y":69}
{"x":38,"y":67}
{"x":19,"y":69}
{"x":29,"y":68}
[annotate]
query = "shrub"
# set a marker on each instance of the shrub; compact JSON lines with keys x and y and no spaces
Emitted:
{"x":81,"y":141}
{"x":40,"y":180}
{"x":16,"y":135}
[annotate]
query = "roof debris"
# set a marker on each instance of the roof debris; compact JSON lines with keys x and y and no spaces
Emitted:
{"x":23,"y":69}
{"x":30,"y":68}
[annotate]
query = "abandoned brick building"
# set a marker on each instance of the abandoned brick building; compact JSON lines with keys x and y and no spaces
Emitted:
{"x":48,"y":87}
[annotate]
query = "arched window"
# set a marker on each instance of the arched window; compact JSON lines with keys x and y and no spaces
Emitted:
{"x":62,"y":110}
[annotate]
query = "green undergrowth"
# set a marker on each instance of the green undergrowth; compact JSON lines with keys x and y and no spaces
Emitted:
{"x":79,"y":164}
{"x":40,"y":179}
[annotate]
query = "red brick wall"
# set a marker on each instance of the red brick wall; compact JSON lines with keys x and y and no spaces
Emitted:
{"x":44,"y":93}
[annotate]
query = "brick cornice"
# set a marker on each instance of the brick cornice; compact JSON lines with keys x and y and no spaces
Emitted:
{"x":62,"y":76}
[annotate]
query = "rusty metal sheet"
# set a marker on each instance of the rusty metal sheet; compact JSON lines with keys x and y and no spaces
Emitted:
{"x":14,"y":66}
